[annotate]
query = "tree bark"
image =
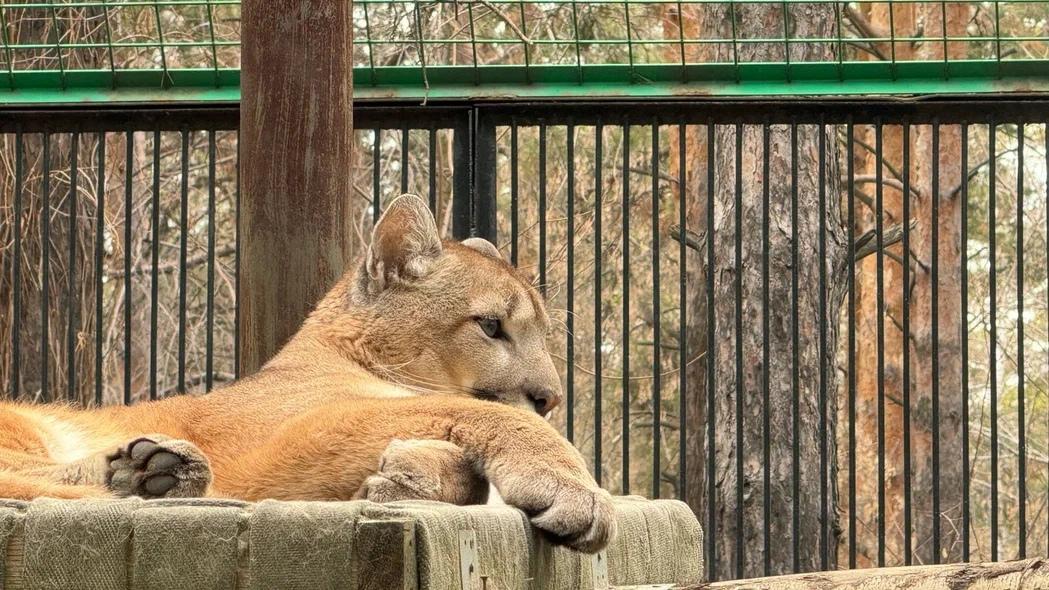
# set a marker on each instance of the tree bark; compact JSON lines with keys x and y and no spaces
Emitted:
{"x":296,"y":138}
{"x":1013,"y":575}
{"x":741,"y":552}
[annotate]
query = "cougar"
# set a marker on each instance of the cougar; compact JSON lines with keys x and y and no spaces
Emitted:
{"x":422,"y":374}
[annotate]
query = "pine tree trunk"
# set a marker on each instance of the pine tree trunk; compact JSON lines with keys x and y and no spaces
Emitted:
{"x":923,"y":377}
{"x":788,"y":549}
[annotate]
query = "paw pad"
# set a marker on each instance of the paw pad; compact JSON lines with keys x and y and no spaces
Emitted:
{"x":156,"y":467}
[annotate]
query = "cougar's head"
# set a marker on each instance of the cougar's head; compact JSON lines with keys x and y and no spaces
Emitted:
{"x":452,"y":317}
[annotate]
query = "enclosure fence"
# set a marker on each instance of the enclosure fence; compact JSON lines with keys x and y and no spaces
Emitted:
{"x":72,"y":50}
{"x":822,"y":322}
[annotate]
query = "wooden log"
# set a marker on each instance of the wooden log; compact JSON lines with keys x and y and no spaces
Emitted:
{"x":1030,"y":574}
{"x":296,"y":135}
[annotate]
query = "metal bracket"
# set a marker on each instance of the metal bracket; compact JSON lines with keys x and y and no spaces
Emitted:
{"x":469,"y":576}
{"x":599,"y":570}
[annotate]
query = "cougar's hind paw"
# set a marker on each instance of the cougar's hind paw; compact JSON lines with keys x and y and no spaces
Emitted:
{"x":156,"y":466}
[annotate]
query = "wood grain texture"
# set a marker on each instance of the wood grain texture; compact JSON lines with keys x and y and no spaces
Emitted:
{"x":296,"y":133}
{"x":1012,"y":575}
{"x":386,"y":557}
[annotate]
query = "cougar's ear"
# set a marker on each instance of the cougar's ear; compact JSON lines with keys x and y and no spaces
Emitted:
{"x":404,"y":242}
{"x":483,"y":246}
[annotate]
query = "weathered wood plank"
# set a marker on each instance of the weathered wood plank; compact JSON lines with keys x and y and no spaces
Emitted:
{"x":385,"y":555}
{"x":296,"y":133}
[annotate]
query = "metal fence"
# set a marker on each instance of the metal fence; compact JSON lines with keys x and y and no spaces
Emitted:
{"x":68,"y":50}
{"x":765,"y":310}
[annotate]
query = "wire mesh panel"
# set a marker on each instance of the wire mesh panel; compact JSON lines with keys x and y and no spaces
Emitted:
{"x":84,"y":49}
{"x":113,"y":43}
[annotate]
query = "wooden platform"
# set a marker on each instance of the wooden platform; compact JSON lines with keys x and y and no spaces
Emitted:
{"x":212,"y":544}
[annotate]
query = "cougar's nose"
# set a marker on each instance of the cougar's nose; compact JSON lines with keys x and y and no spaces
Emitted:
{"x":544,"y":399}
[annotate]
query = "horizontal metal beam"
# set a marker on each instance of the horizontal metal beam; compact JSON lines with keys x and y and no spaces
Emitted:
{"x":93,"y":117}
{"x":668,"y":111}
{"x":114,"y":117}
{"x":867,"y":110}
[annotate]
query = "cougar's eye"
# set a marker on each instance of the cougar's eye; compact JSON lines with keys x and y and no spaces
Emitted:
{"x":493,"y":328}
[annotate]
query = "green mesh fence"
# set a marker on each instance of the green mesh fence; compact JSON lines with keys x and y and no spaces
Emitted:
{"x":135,"y":49}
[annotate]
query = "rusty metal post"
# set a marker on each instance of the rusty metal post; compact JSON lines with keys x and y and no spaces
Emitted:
{"x":296,"y":131}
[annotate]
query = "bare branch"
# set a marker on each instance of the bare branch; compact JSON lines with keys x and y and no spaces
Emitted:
{"x":513,"y":26}
{"x":170,"y":267}
{"x":867,"y":244}
{"x":891,"y":182}
{"x":693,"y":240}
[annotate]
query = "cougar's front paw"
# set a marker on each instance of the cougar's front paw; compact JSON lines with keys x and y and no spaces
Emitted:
{"x":424,"y":470}
{"x":156,"y":466}
{"x":573,"y":513}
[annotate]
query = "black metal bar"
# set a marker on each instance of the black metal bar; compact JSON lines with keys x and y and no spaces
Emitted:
{"x":31,"y":119}
{"x":1021,"y":451}
{"x":432,"y":144}
{"x":803,"y":111}
{"x":514,"y":198}
{"x":825,"y":507}
{"x":795,"y":363}
{"x":766,"y":385}
{"x":462,"y":178}
{"x":993,"y":348}
{"x":209,"y":342}
{"x":908,"y":528}
{"x":738,"y":337}
{"x":598,"y":303}
{"x":16,"y":271}
{"x":934,"y":284}
{"x":405,"y":136}
{"x":129,"y":184}
{"x":394,"y":114}
{"x":542,"y":210}
{"x":570,"y":294}
{"x":657,"y":315}
{"x":100,"y":226}
{"x":154,"y":299}
{"x":45,"y":272}
{"x":183,"y":246}
{"x":682,"y":318}
{"x":484,"y":205}
{"x":851,"y":206}
{"x":72,"y":282}
{"x":376,"y":174}
{"x":626,"y":302}
{"x":963,"y":321}
{"x":236,"y":262}
{"x":712,"y":550}
{"x":879,"y":218}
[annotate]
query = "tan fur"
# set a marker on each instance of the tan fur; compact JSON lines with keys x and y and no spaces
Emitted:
{"x":393,"y":353}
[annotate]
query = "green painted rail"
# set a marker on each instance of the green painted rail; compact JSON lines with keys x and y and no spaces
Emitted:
{"x":73,"y":51}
